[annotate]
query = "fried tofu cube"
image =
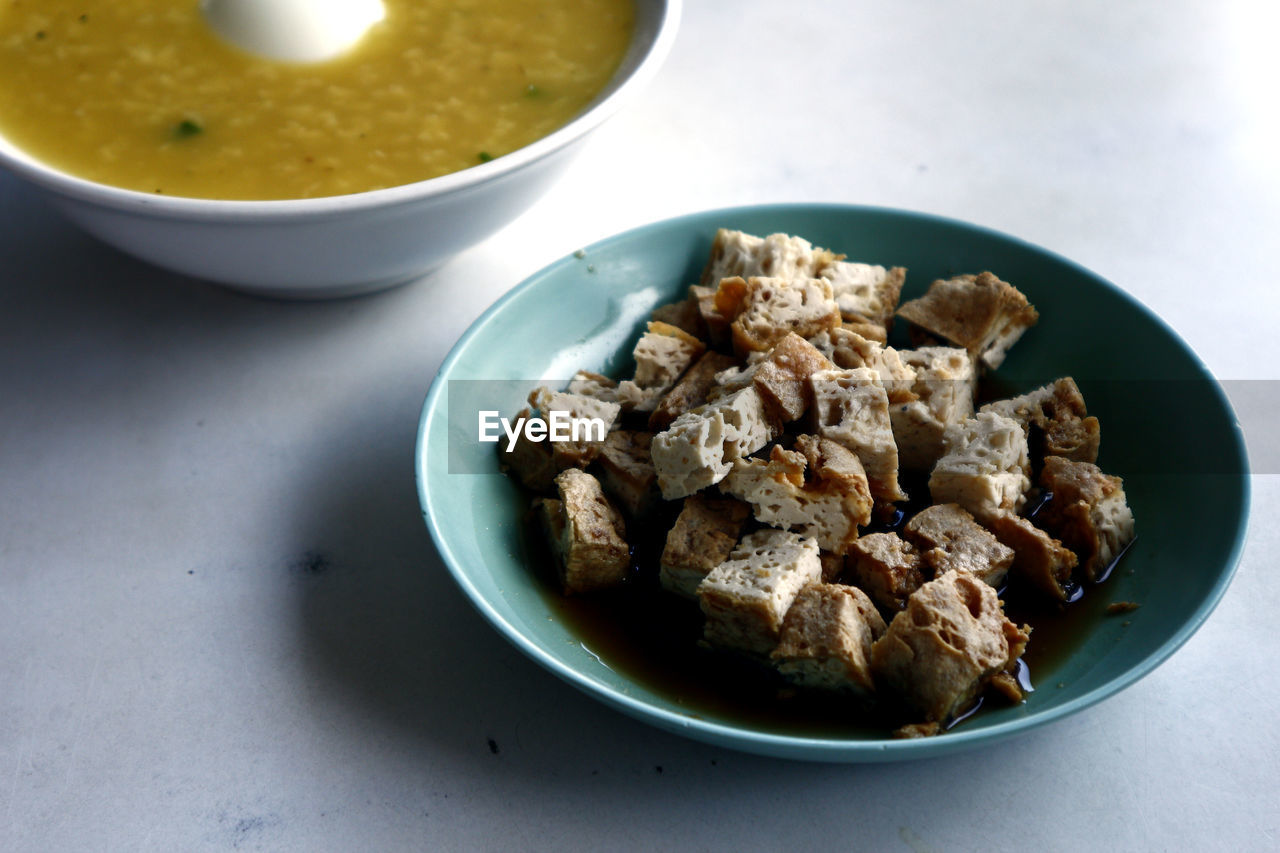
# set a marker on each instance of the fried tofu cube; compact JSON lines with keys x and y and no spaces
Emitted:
{"x":587,"y":384}
{"x":586,"y":534}
{"x":745,"y":598}
{"x":870,"y":331}
{"x":1039,"y":560}
{"x":851,"y":407}
{"x":848,"y":349}
{"x":735,"y":253}
{"x":716,"y":324}
{"x":984,"y":467}
{"x":764,"y":310}
{"x":1088,"y":512}
{"x":700,"y":446}
{"x":943,"y":388}
{"x":941,"y":651}
{"x":782,"y":376}
{"x":1056,"y":421}
{"x":826,"y":637}
{"x":626,"y":470}
{"x":887,"y":567}
{"x":580,"y":451}
{"x":691,"y":391}
{"x":827,"y":505}
{"x":662,"y":354}
{"x":683,"y":314}
{"x":530,"y":461}
{"x":980,"y":313}
{"x":950,"y":540}
{"x":832,"y":566}
{"x":866,"y":293}
{"x":706,"y":530}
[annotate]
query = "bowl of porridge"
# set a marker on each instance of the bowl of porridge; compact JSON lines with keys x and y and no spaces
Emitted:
{"x":148,"y":127}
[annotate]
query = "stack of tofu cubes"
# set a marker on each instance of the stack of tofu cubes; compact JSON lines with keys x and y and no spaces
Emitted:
{"x":769,"y":404}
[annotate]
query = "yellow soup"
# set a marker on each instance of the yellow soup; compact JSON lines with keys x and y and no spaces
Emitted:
{"x":142,"y":94}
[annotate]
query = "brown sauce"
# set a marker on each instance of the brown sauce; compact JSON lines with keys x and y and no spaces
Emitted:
{"x":652,"y":637}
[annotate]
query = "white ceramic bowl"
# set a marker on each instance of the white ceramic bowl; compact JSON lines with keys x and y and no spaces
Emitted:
{"x":344,"y":245}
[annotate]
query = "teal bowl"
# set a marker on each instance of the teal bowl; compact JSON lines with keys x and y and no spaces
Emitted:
{"x":1167,"y":429}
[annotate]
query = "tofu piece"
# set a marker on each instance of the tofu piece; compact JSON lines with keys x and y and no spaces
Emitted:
{"x":580,"y":452}
{"x":870,"y":331}
{"x":662,"y":354}
{"x":782,"y":376}
{"x":704,"y":534}
{"x":950,"y":540}
{"x":587,"y":384}
{"x":745,"y":598}
{"x":851,"y":407}
{"x":827,"y":505}
{"x":984,"y":467}
{"x":683,"y":314}
{"x":941,"y":651}
{"x":735,"y":253}
{"x":944,"y":386}
{"x":847,"y":349}
{"x":691,"y":391}
{"x":980,"y":313}
{"x":716,"y":324}
{"x":887,"y":567}
{"x":530,"y":461}
{"x":832,"y":566}
{"x":866,"y":293}
{"x":764,"y":310}
{"x":1088,"y":512}
{"x":1055,"y":419}
{"x":586,"y":533}
{"x":626,"y":471}
{"x":826,"y":637}
{"x":1039,"y":560}
{"x":700,"y":446}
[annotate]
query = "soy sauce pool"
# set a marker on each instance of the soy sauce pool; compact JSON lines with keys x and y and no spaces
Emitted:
{"x":652,"y":637}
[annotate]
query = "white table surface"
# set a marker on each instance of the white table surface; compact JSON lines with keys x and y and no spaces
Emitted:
{"x":223,"y":625}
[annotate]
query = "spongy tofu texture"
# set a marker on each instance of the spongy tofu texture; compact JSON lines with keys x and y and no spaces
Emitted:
{"x":765,"y":309}
{"x":865,"y":292}
{"x":1089,"y":512}
{"x":1039,"y":560}
{"x":700,"y":446}
{"x":691,"y":391}
{"x":951,"y":540}
{"x":702,"y":538}
{"x":940,"y":651}
{"x":745,"y":598}
{"x":736,"y":253}
{"x":782,"y":377}
{"x":1056,"y":420}
{"x":662,"y":354}
{"x":888,"y":567}
{"x":819,"y":489}
{"x":984,"y":466}
{"x":978,"y":312}
{"x":578,"y":406}
{"x":848,"y":349}
{"x":851,"y":407}
{"x":626,"y":469}
{"x":591,"y":547}
{"x":826,"y":639}
{"x":943,"y":390}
